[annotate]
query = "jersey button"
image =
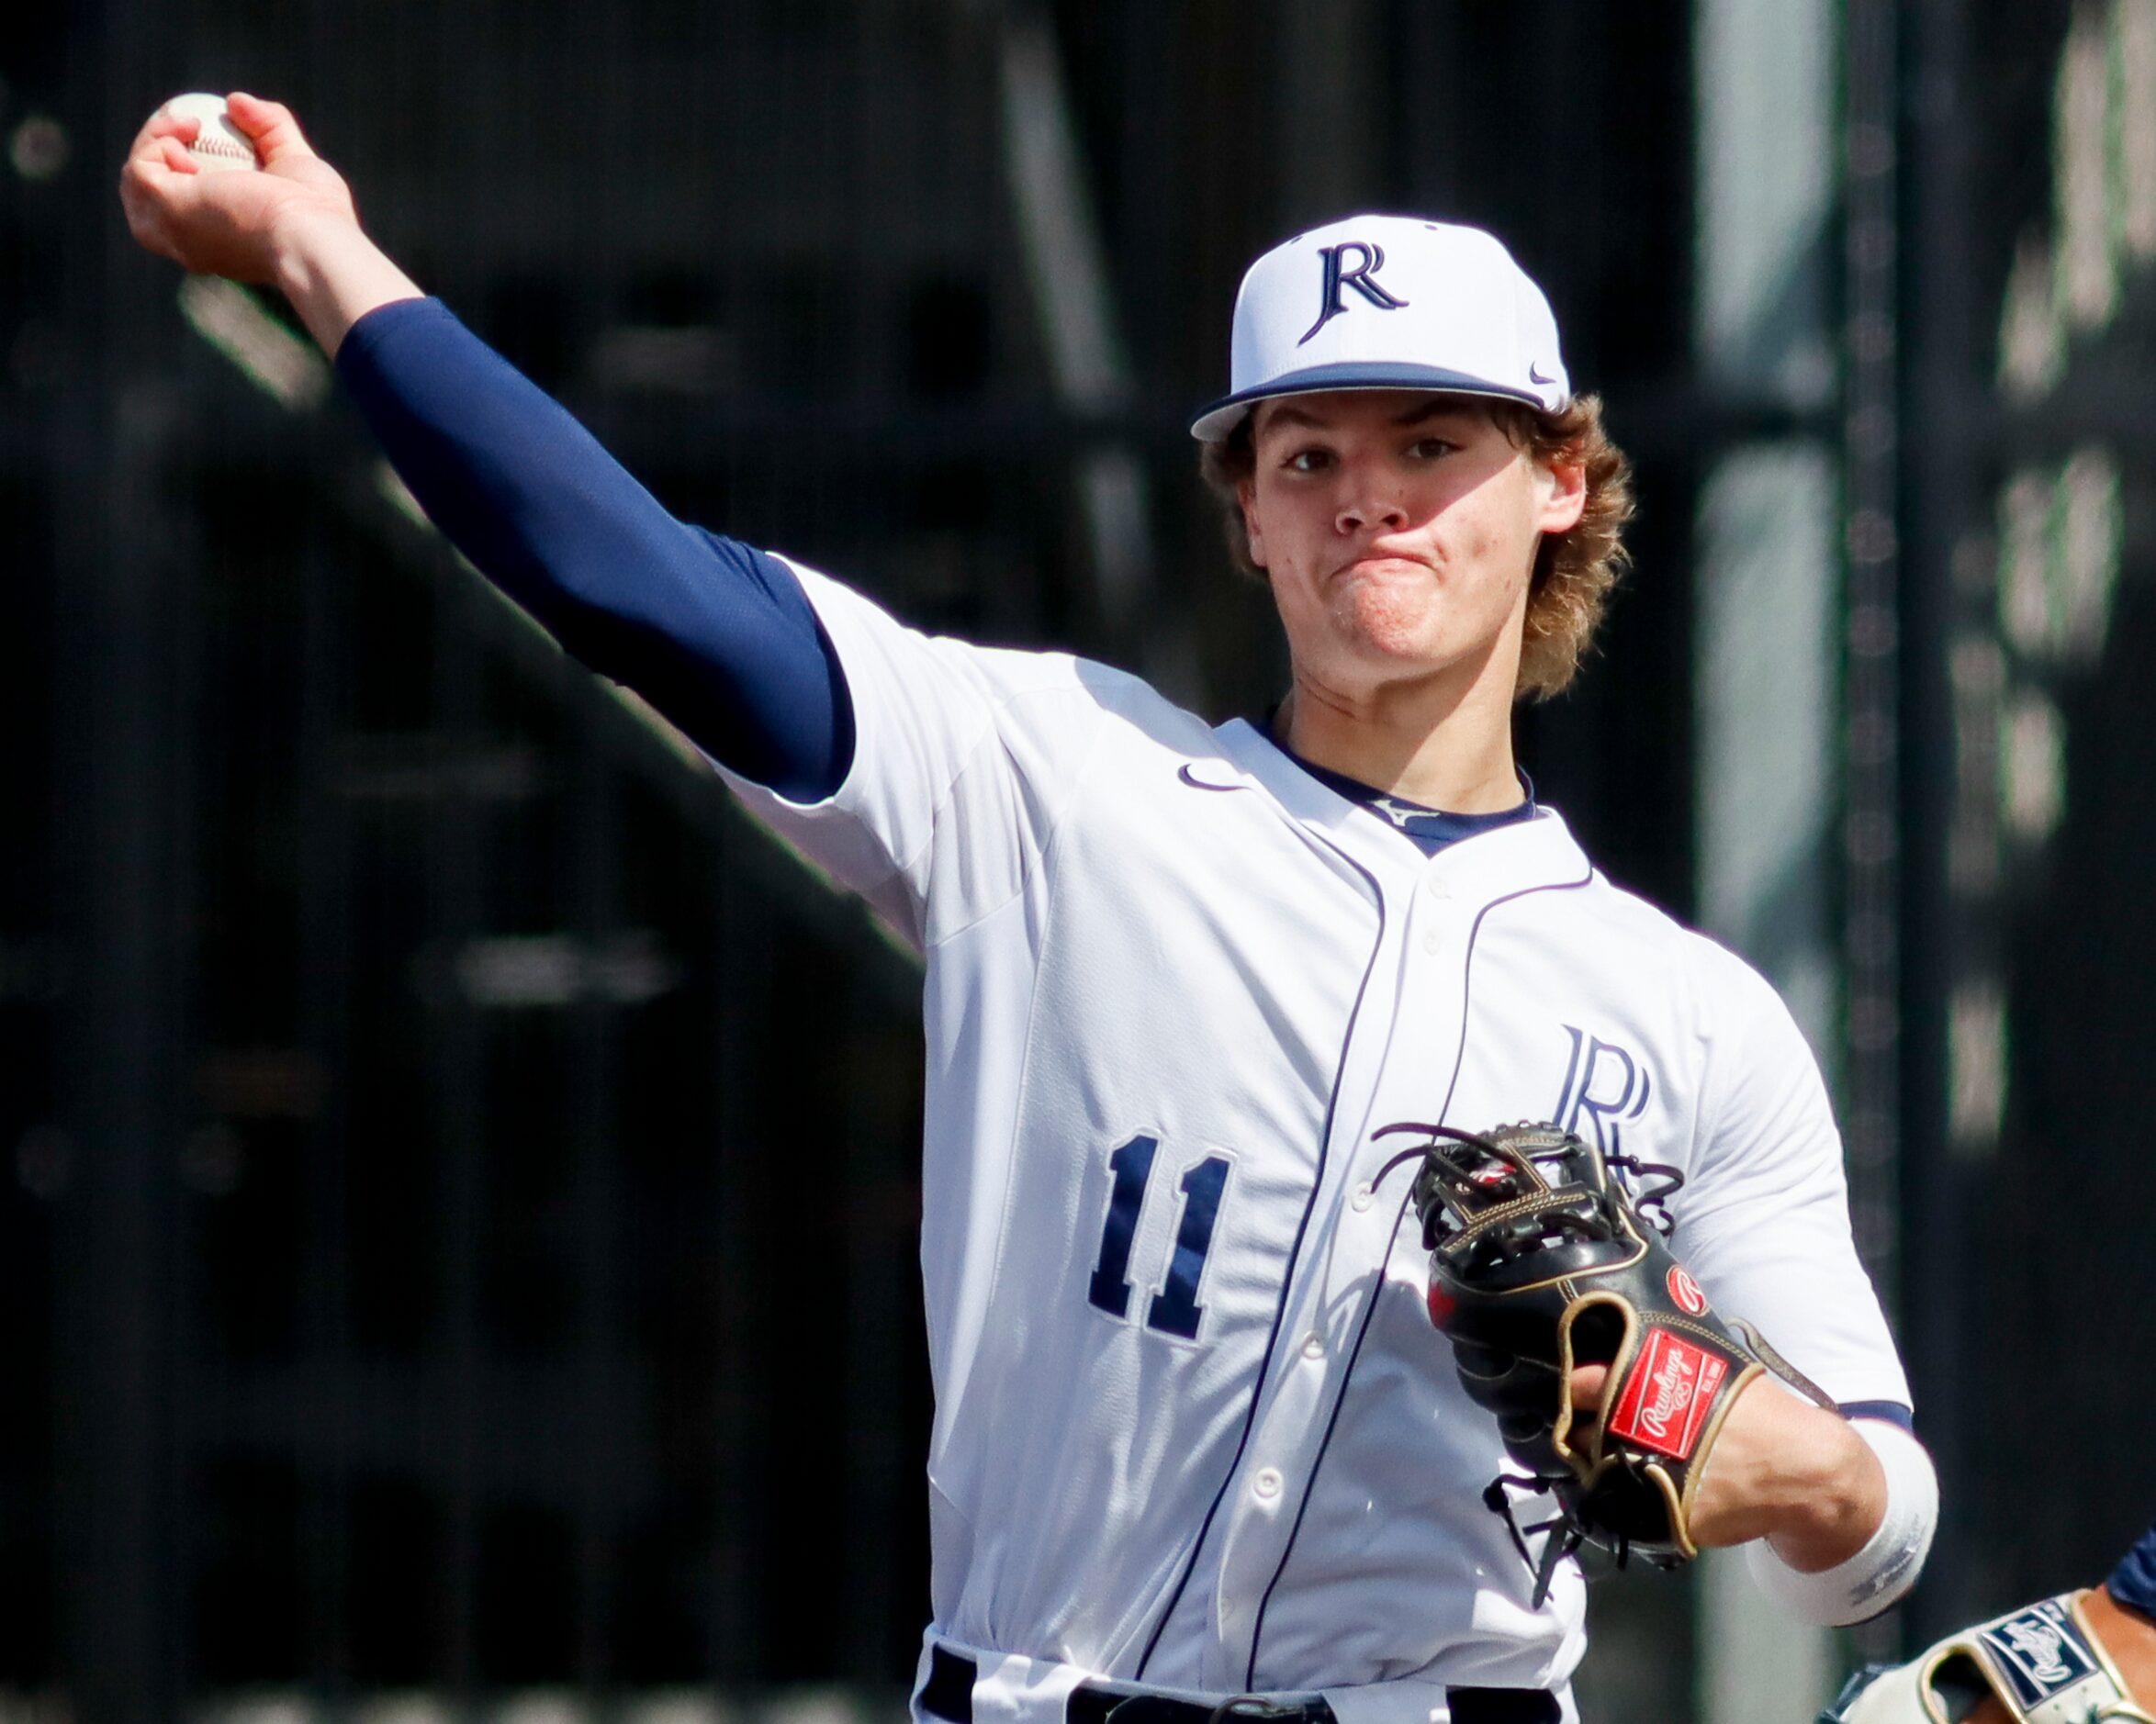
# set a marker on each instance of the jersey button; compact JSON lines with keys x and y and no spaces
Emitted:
{"x":1363,"y":1197}
{"x":1266,"y":1485}
{"x":1313,"y":1346}
{"x":1437,"y":888}
{"x":1431,"y":939}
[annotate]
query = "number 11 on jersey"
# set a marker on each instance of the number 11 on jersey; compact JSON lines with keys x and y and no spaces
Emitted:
{"x":1174,"y":1310}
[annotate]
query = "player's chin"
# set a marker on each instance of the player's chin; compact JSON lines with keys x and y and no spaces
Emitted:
{"x":1398,"y":617}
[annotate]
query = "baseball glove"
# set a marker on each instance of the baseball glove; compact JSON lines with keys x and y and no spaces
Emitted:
{"x":1541,"y":1260}
{"x":2040,"y":1665}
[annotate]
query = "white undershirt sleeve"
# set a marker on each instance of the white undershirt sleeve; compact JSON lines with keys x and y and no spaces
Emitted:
{"x":1886,"y":1566}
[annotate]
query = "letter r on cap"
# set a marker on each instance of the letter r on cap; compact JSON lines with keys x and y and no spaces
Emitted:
{"x":1367,"y":261}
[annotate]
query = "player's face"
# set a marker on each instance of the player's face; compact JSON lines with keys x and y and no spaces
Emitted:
{"x":1398,"y":533}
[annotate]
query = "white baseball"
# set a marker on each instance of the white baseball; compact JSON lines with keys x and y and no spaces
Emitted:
{"x":218,"y":144}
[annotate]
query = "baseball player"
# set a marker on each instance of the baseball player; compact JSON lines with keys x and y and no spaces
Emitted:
{"x":2080,"y":1658}
{"x":1196,"y":1447}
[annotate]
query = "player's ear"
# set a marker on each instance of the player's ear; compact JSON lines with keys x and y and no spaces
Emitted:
{"x":1246,"y":498}
{"x":1560,"y":492}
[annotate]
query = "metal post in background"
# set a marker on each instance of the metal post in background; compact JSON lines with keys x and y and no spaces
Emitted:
{"x":1871,"y":730}
{"x":1766,"y":590}
{"x":122,"y":643}
{"x":324,"y":1066}
{"x":1915,"y":356}
{"x":457,"y":1103}
{"x":603,"y":1390}
{"x":742,"y":945}
{"x":1058,"y":233}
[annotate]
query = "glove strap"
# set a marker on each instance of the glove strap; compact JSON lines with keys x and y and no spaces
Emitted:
{"x":1782,"y":1367}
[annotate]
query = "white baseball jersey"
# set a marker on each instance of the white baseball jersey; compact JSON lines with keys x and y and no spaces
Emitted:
{"x":1193,"y":1425}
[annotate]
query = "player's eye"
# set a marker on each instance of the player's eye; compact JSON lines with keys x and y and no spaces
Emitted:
{"x":1431,"y":448}
{"x":1309,"y":460}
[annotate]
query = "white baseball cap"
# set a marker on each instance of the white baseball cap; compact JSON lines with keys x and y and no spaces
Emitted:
{"x":1389,"y":302}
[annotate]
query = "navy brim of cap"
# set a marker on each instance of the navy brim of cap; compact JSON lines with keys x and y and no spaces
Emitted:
{"x":1222,"y":416}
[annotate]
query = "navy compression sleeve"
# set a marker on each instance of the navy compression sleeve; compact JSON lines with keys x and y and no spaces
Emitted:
{"x":717,"y":637}
{"x":2133,"y":1582}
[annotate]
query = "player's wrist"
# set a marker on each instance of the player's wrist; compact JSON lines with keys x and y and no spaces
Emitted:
{"x":1794,"y":1474}
{"x":305,"y":240}
{"x":1886,"y":1565}
{"x":334,"y":275}
{"x":1832,"y":1495}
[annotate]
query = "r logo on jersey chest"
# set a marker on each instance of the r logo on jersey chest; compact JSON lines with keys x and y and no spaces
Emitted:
{"x":1606,"y":1085}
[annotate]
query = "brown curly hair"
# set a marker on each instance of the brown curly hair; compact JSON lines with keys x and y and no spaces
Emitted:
{"x":1574,"y":570}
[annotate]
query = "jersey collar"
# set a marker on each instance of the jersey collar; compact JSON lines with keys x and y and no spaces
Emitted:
{"x":1518,"y":857}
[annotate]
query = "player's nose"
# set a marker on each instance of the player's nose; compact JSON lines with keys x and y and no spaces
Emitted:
{"x":1370,"y":507}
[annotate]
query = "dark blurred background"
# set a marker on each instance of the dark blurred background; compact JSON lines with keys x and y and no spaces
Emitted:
{"x":457,"y":1177}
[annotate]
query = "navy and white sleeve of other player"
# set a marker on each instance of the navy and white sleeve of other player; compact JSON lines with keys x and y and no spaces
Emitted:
{"x":2133,"y":1582}
{"x":1175,"y":987}
{"x":715,"y":634}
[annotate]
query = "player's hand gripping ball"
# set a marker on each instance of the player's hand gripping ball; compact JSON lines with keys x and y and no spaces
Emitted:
{"x":1540,"y":1262}
{"x":182,"y":203}
{"x":218,"y":143}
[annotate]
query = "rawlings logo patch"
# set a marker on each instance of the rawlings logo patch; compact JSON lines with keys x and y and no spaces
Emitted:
{"x":2040,"y":1651}
{"x":1665,"y":1403}
{"x":1686,"y":1292}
